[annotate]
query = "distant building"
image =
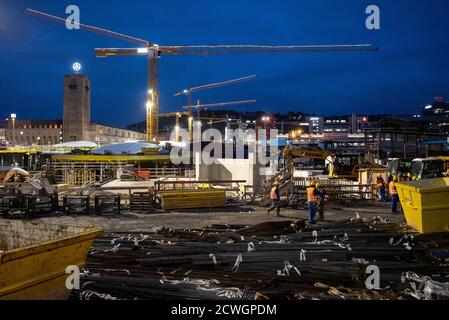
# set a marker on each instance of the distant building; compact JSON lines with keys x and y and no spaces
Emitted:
{"x":439,"y":107}
{"x":76,"y":124}
{"x":3,"y":125}
{"x":39,"y":132}
{"x":436,"y":114}
{"x":399,"y":137}
{"x":316,"y":124}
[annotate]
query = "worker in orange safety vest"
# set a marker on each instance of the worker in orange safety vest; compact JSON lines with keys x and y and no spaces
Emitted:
{"x":313,"y":197}
{"x":393,"y":195}
{"x":275,"y":198}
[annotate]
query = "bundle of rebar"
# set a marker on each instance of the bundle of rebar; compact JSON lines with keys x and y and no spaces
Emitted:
{"x":276,"y":260}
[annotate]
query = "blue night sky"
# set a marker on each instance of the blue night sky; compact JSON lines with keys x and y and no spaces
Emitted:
{"x":411,"y":67}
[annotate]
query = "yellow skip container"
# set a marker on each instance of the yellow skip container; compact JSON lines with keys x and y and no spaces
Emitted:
{"x":34,"y":258}
{"x":426,"y":204}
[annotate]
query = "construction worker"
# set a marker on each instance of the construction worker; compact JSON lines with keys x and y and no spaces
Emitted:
{"x":394,"y":195}
{"x":313,"y":197}
{"x":322,"y":190}
{"x":275,"y":197}
{"x":380,"y":186}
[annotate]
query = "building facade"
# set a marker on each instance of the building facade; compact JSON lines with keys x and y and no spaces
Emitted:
{"x":3,"y":125}
{"x":394,"y":137}
{"x":77,"y":121}
{"x":34,"y":132}
{"x":76,"y":124}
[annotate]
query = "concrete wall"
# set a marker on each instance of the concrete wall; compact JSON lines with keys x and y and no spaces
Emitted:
{"x":230,"y":169}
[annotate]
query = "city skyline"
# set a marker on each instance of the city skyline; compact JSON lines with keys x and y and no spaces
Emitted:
{"x":407,"y":73}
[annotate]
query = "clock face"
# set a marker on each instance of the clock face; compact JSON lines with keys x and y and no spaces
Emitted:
{"x":76,"y":66}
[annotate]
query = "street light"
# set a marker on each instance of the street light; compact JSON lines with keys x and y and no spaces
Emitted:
{"x":13,"y":118}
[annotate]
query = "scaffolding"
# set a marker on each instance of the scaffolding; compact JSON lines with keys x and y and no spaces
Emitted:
{"x":78,"y":170}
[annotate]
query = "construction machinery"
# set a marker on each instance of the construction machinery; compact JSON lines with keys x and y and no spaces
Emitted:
{"x":291,"y":153}
{"x":189,"y":92}
{"x":398,"y":166}
{"x":154,"y":51}
{"x":446,"y":163}
{"x":427,"y":168}
{"x":417,"y":169}
{"x":343,"y":166}
{"x":177,"y":116}
{"x":200,"y":106}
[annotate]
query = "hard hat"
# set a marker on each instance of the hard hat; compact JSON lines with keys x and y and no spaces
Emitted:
{"x":277,"y":184}
{"x":409,"y":174}
{"x":318,"y":184}
{"x":395,"y":178}
{"x":312,"y":183}
{"x":379,"y":175}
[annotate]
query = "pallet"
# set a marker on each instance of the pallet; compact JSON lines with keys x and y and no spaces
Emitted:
{"x":141,"y":202}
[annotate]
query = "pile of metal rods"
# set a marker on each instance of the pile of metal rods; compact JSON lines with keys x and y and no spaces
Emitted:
{"x":240,"y":262}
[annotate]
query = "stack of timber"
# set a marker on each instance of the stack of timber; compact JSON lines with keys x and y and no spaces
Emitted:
{"x":191,"y":199}
{"x":276,"y":260}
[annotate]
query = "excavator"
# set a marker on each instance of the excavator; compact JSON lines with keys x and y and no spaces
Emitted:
{"x":344,"y":166}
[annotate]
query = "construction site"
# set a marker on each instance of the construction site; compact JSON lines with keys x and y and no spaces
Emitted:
{"x":202,"y":204}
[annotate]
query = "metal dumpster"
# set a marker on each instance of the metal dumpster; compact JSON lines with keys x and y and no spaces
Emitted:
{"x":426,"y":204}
{"x":34,"y":258}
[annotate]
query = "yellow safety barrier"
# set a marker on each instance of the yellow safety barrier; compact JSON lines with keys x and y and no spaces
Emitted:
{"x":426,"y":204}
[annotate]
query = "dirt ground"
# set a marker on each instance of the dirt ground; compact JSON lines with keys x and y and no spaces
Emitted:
{"x":248,"y":215}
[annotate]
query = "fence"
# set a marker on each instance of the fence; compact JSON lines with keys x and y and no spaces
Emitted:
{"x":337,"y":190}
{"x":81,"y":173}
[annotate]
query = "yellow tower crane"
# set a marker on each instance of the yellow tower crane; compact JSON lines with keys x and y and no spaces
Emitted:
{"x":188,"y":92}
{"x":154,"y":51}
{"x":177,"y":116}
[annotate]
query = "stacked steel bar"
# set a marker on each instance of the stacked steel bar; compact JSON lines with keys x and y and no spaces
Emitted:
{"x":276,"y":260}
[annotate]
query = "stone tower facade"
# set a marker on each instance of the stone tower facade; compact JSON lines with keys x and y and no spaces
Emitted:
{"x":76,"y":120}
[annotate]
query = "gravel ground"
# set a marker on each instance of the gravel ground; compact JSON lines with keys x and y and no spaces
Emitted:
{"x":132,"y":222}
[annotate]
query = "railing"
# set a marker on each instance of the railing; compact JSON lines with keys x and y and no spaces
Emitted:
{"x":231,"y":185}
{"x":284,"y":178}
{"x":337,"y":190}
